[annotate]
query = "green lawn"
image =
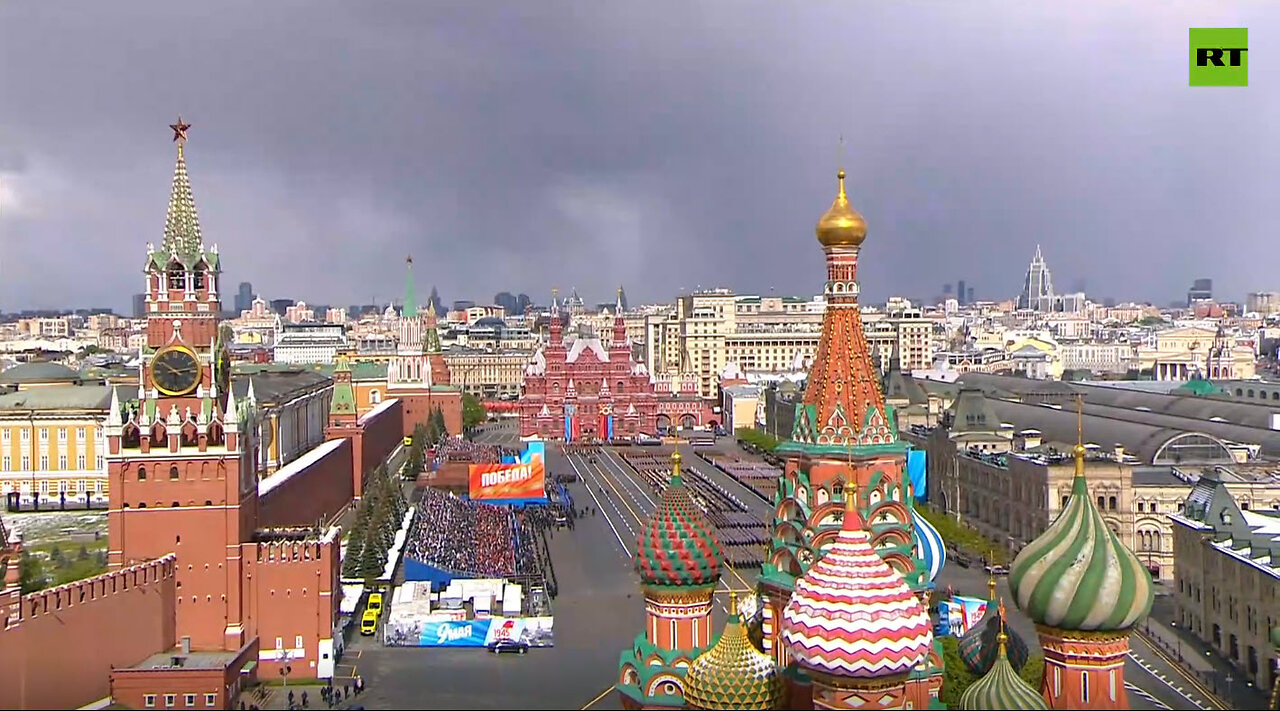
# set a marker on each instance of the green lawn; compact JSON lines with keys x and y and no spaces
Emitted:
{"x":58,"y":563}
{"x":958,"y":535}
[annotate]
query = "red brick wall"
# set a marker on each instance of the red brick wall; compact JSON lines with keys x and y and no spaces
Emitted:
{"x":383,"y":432}
{"x":59,"y":654}
{"x":350,"y":431}
{"x":304,"y":498}
{"x":418,"y":407}
{"x":295,"y":584}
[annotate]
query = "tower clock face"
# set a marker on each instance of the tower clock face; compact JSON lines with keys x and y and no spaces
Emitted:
{"x":175,"y":371}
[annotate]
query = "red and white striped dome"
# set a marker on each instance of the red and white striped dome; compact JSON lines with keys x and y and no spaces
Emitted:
{"x":852,"y":615}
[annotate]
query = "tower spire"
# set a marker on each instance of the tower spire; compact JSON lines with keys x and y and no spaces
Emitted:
{"x":410,"y":298}
{"x":1079,"y":448}
{"x":181,"y":224}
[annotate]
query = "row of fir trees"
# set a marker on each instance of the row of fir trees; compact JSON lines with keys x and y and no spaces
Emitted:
{"x":381,"y":510}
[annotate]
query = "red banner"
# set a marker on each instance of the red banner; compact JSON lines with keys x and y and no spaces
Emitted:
{"x":508,"y":481}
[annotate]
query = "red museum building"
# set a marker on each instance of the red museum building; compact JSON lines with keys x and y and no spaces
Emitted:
{"x":585,"y":389}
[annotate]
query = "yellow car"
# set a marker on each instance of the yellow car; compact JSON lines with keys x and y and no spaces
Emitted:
{"x":374,"y":603}
{"x":369,"y":622}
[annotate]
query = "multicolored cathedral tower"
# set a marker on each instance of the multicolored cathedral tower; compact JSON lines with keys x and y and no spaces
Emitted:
{"x":845,"y":446}
{"x":1085,"y":591}
{"x":679,"y":561}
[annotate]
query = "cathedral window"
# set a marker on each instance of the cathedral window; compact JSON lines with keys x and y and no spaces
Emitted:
{"x":173,"y":473}
{"x":200,"y":277}
{"x":622,"y":387}
{"x":142,"y":473}
{"x":1084,"y":687}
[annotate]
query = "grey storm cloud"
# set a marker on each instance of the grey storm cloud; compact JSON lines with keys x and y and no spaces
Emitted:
{"x":660,"y":145}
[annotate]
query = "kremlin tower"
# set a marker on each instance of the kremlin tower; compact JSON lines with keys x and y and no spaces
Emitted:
{"x":1085,"y":591}
{"x":679,"y":561}
{"x":854,"y":626}
{"x":845,"y":445}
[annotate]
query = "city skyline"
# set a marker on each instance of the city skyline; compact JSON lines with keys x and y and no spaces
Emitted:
{"x":682,"y":156}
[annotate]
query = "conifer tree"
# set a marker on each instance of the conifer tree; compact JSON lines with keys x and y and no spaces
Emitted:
{"x":354,"y":560}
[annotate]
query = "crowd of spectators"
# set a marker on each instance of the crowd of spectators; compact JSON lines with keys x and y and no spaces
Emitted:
{"x":457,"y":449}
{"x":463,"y":536}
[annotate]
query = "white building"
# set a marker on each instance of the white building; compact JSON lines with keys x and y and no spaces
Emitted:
{"x":310,"y":343}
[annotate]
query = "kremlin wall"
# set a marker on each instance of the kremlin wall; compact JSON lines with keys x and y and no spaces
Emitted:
{"x":218,"y":577}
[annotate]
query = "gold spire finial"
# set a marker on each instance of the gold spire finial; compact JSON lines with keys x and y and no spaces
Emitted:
{"x":675,"y":461}
{"x":733,"y":603}
{"x":840,"y":169}
{"x":991,"y":586}
{"x":1079,"y":448}
{"x":1003,"y":637}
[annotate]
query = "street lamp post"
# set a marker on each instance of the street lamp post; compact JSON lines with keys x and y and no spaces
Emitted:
{"x":285,"y":668}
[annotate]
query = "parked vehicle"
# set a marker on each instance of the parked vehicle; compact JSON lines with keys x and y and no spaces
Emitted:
{"x":509,"y":646}
{"x":369,"y":622}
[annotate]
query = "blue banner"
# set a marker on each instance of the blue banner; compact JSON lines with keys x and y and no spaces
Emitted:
{"x":568,"y":428}
{"x":444,"y":633}
{"x":917,"y":473}
{"x":609,"y":434}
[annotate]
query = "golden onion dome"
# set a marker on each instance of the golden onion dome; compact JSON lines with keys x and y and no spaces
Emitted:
{"x":733,"y":674}
{"x":841,"y":226}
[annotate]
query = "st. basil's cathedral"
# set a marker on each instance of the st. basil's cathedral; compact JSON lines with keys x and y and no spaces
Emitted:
{"x":845,"y":588}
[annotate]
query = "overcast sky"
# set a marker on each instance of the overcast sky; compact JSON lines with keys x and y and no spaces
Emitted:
{"x":661,"y":145}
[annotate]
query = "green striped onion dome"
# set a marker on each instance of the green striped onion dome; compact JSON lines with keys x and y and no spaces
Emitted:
{"x":1078,"y":575}
{"x":677,"y":546}
{"x":733,"y":674}
{"x":1001,"y":689}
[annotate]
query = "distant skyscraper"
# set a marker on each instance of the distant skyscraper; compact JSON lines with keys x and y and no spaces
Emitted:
{"x":622,"y":298}
{"x":522,"y":303}
{"x":968,"y":296}
{"x":512,"y":304}
{"x":281,"y":305}
{"x":960,"y":292}
{"x":946,"y":289}
{"x":139,"y":305}
{"x":436,"y":301}
{"x":244,"y":297}
{"x":1201,"y":290}
{"x":1037,"y":288}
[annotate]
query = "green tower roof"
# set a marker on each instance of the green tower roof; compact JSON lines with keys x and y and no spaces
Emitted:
{"x":410,"y":297}
{"x":344,"y":395}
